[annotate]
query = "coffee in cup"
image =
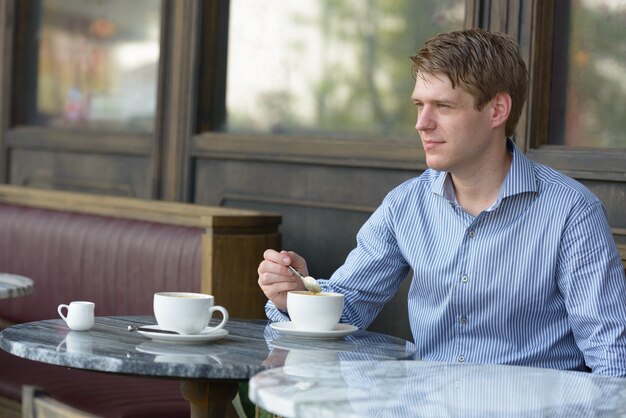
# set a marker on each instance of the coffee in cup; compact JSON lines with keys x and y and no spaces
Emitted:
{"x":314,"y":311}
{"x":186,"y":313}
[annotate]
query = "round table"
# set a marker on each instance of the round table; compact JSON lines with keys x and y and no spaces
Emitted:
{"x":209,"y":372}
{"x":13,"y":285}
{"x":424,"y":389}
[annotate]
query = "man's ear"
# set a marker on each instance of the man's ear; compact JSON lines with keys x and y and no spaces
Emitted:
{"x":500,"y":109}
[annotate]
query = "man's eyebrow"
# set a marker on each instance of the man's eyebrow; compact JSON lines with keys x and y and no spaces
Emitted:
{"x":435,"y":101}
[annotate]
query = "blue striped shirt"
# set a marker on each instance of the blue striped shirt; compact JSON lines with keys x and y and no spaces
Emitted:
{"x":535,"y":280}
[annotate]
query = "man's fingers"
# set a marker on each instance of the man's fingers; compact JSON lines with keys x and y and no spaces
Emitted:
{"x":277,"y":257}
{"x":274,"y":271}
{"x":276,"y":289}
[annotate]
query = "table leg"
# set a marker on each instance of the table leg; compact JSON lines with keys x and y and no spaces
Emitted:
{"x":210,"y":399}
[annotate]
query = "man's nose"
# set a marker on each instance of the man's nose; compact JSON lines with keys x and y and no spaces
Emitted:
{"x":425,"y":120}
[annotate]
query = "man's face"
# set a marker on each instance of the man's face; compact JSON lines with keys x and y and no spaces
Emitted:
{"x":455,"y":135}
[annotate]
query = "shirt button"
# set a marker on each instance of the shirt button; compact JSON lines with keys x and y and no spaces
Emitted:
{"x":465,"y":279}
{"x":461,"y":359}
{"x":463,"y":319}
{"x":471,"y":233}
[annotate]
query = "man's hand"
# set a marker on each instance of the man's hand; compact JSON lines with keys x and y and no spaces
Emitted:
{"x":276,"y":279}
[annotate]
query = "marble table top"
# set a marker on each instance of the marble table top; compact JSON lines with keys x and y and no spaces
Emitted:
{"x":427,"y":389}
{"x":12,"y":285}
{"x":251,"y":346}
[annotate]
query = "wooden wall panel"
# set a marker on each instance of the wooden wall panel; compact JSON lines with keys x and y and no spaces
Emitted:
{"x":119,"y":175}
{"x":613,"y":195}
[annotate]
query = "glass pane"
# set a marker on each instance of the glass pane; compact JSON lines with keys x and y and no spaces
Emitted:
{"x":97,"y":64}
{"x":589,"y":74}
{"x":328,"y":67}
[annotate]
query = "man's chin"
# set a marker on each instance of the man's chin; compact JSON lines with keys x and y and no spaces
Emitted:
{"x":436,"y":164}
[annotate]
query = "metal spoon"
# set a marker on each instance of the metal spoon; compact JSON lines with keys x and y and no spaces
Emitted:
{"x":308,"y":281}
{"x":160,"y":331}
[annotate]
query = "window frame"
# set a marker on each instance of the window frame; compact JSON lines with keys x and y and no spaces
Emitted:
{"x":376,"y":152}
{"x":16,"y":18}
{"x":600,"y":164}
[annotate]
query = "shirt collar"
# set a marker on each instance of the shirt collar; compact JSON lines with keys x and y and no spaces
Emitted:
{"x":519,"y":179}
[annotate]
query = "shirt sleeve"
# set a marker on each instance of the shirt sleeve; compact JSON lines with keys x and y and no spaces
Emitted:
{"x":274,"y":314}
{"x":370,"y":276}
{"x":591,"y":276}
{"x":372,"y":272}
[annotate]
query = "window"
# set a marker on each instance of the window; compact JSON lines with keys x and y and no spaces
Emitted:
{"x":94,"y":65}
{"x":589,"y":74}
{"x":328,"y":68}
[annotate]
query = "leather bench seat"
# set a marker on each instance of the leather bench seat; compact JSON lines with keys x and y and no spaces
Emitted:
{"x":101,"y":394}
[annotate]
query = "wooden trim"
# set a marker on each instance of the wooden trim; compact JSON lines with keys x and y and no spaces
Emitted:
{"x":178,"y":95}
{"x":216,"y":219}
{"x":23,"y":59}
{"x":45,"y":138}
{"x":206,"y":280}
{"x":36,"y":403}
{"x":231,"y":274}
{"x":7,"y":23}
{"x":297,"y":202}
{"x":472,"y":13}
{"x":10,"y":408}
{"x":5,"y":323}
{"x":72,"y":184}
{"x":345,"y":152}
{"x":524,"y":38}
{"x":580,"y":163}
{"x":211,"y":85}
{"x":499,"y":16}
{"x":156,"y":163}
{"x":540,"y":68}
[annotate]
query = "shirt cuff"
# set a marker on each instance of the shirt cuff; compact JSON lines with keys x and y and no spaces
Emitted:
{"x":274,"y":314}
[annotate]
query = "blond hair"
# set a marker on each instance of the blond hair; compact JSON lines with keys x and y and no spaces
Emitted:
{"x":480,"y":62}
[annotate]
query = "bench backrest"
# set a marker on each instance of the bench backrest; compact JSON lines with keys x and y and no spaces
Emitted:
{"x":117,"y":252}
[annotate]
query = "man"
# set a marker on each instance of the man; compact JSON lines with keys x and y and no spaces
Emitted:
{"x":513,"y":262}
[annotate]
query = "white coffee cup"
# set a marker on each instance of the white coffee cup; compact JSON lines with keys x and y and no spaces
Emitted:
{"x":314,"y":311}
{"x":80,"y":315}
{"x":186,"y":313}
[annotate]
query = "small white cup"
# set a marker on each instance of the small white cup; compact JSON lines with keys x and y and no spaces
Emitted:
{"x":80,"y":315}
{"x":314,"y":312}
{"x":186,"y":313}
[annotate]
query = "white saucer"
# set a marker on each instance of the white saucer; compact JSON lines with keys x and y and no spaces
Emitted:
{"x":288,"y":328}
{"x":208,"y":334}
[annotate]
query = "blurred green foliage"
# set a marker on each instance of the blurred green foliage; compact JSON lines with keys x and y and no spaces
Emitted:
{"x":363,"y":82}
